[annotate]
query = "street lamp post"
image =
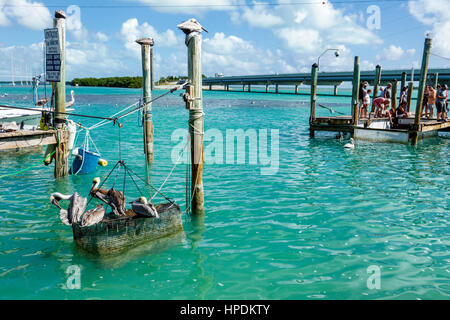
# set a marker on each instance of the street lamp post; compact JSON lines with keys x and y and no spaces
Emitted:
{"x":336,"y":53}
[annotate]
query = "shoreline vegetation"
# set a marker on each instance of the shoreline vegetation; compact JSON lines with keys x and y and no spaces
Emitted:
{"x":124,"y":82}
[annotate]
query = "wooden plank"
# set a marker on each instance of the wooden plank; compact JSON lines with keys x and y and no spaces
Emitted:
{"x":26,"y":139}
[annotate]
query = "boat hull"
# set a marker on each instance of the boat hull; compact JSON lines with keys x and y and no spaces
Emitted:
{"x":115,"y":235}
{"x":31,"y":120}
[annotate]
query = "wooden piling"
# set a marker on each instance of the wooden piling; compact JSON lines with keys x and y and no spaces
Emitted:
{"x":403,"y":83}
{"x":243,"y":88}
{"x":420,"y":93}
{"x":267,"y":88}
{"x":194,"y":44}
{"x":312,"y":116}
{"x":355,"y":92}
{"x":249,"y":87}
{"x":276,"y":88}
{"x":409,"y":97}
{"x":61,"y":154}
{"x":394,"y":94}
{"x":296,"y":89}
{"x":436,"y":80}
{"x":146,"y":44}
{"x":376,"y":85}
{"x":335,"y":90}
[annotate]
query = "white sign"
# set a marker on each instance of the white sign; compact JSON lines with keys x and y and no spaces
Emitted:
{"x":52,"y":55}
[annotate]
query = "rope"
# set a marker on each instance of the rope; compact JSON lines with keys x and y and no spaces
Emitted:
{"x":173,"y":168}
{"x":29,"y":168}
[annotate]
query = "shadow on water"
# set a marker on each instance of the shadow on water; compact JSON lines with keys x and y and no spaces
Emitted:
{"x":194,"y":233}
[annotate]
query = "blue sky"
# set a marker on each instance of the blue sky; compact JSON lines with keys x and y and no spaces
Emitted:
{"x":245,"y":37}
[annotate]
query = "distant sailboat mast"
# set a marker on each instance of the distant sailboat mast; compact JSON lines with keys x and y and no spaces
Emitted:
{"x":12,"y":69}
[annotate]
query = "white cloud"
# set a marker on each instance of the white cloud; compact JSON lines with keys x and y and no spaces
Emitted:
{"x":306,"y":29}
{"x":435,"y":14}
{"x":232,"y":55}
{"x":189,"y":6}
{"x":131,"y":31}
{"x":395,"y":53}
{"x":32,"y":15}
{"x":259,"y":16}
{"x":101,"y":36}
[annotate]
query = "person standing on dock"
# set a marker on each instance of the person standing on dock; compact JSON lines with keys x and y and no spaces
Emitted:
{"x":431,"y":101}
{"x":425,"y":101}
{"x":387,"y":92}
{"x":403,"y":95}
{"x":441,"y":103}
{"x":365,"y":104}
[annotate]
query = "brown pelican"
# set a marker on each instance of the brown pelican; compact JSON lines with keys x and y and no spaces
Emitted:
{"x":191,"y":25}
{"x":111,"y":197}
{"x":76,"y":207}
{"x":93,"y":216}
{"x":42,"y":102}
{"x":142,"y":207}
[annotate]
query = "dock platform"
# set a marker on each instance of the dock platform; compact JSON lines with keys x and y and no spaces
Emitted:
{"x":26,"y":139}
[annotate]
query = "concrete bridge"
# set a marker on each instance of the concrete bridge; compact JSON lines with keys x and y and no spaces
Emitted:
{"x":324,"y":78}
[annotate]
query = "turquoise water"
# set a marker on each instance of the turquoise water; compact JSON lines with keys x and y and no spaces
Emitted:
{"x":310,"y":231}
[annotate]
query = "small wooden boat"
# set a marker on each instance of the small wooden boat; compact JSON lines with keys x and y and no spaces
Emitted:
{"x":114,"y":234}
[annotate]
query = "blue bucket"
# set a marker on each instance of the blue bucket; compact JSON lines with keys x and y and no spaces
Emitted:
{"x":88,"y":165}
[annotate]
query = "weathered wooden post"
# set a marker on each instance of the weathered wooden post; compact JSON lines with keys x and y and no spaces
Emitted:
{"x":146,"y":44}
{"x":193,"y":41}
{"x":296,"y":89}
{"x":249,"y":87}
{"x":335,"y":90}
{"x":376,"y":85}
{"x":267,"y":88}
{"x":312,"y":116}
{"x":152,"y":71}
{"x":409,"y":97}
{"x":420,"y":93}
{"x":243,"y":87}
{"x":276,"y":88}
{"x":394,"y":94}
{"x":436,"y":80}
{"x":61,"y":154}
{"x":355,"y":92}
{"x":403,"y":84}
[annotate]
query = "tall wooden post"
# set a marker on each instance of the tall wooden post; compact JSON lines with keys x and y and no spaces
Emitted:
{"x":61,"y":154}
{"x":355,"y":92}
{"x":296,"y":89}
{"x":243,"y":88}
{"x":335,"y":90}
{"x":436,"y":80}
{"x":403,"y":84}
{"x":276,"y":88}
{"x":267,"y":88}
{"x":409,"y":97}
{"x":420,"y":93}
{"x":146,"y":44}
{"x":194,"y":44}
{"x":376,"y":85}
{"x":394,"y":94}
{"x":312,"y":116}
{"x":152,"y":71}
{"x":249,"y":87}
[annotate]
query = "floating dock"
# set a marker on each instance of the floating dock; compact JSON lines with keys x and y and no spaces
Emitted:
{"x":16,"y":140}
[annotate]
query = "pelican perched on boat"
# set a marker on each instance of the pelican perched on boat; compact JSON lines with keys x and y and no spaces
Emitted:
{"x":76,"y":207}
{"x":191,"y":25}
{"x":350,"y":145}
{"x":142,"y":207}
{"x":111,"y":197}
{"x":93,"y":216}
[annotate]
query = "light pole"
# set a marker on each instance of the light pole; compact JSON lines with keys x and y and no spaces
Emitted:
{"x":336,"y":53}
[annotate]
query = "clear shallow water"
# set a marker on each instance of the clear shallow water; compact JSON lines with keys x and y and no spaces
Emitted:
{"x":308,"y":232}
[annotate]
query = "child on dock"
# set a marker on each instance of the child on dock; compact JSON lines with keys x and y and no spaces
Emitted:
{"x":366,"y":103}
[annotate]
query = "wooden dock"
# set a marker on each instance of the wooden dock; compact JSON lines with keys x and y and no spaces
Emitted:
{"x":26,"y":139}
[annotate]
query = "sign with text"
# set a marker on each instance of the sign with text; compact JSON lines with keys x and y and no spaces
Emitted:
{"x":52,"y":55}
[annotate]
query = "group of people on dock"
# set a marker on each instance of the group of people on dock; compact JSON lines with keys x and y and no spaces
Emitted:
{"x":380,"y":105}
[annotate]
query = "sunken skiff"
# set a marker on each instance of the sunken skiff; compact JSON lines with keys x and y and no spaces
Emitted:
{"x":114,"y":234}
